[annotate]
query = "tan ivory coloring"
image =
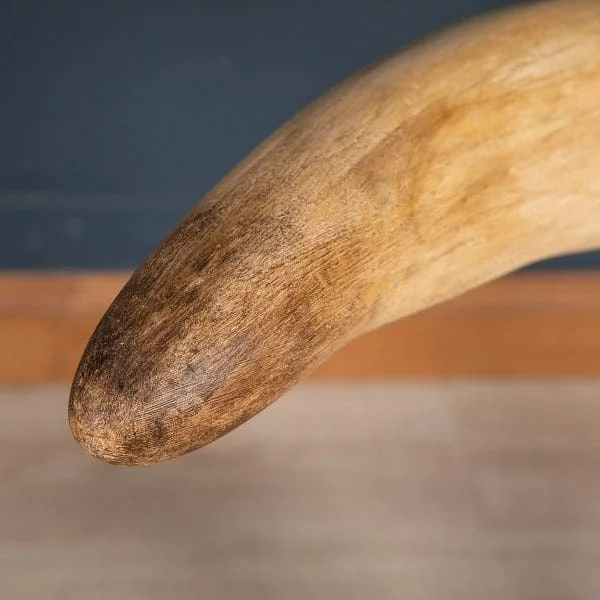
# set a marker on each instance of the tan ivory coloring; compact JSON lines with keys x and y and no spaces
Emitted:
{"x":431,"y":172}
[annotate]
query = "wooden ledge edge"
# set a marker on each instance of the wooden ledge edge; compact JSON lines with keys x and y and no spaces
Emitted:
{"x":529,"y":325}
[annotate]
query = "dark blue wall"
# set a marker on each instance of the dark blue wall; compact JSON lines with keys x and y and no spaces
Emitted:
{"x":117,"y":115}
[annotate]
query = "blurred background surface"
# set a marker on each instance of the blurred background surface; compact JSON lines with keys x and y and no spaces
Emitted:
{"x":430,"y":491}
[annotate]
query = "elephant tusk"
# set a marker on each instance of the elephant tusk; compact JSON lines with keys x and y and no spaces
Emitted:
{"x":446,"y":165}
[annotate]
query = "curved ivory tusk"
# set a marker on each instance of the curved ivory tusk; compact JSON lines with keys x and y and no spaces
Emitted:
{"x":441,"y":167}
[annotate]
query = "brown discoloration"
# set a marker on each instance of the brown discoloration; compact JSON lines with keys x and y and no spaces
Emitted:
{"x":437,"y":169}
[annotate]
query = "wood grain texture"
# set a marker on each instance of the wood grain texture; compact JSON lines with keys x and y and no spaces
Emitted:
{"x":432,"y":491}
{"x":427,"y":174}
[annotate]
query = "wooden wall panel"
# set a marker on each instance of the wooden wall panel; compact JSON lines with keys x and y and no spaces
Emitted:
{"x":526,"y":325}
